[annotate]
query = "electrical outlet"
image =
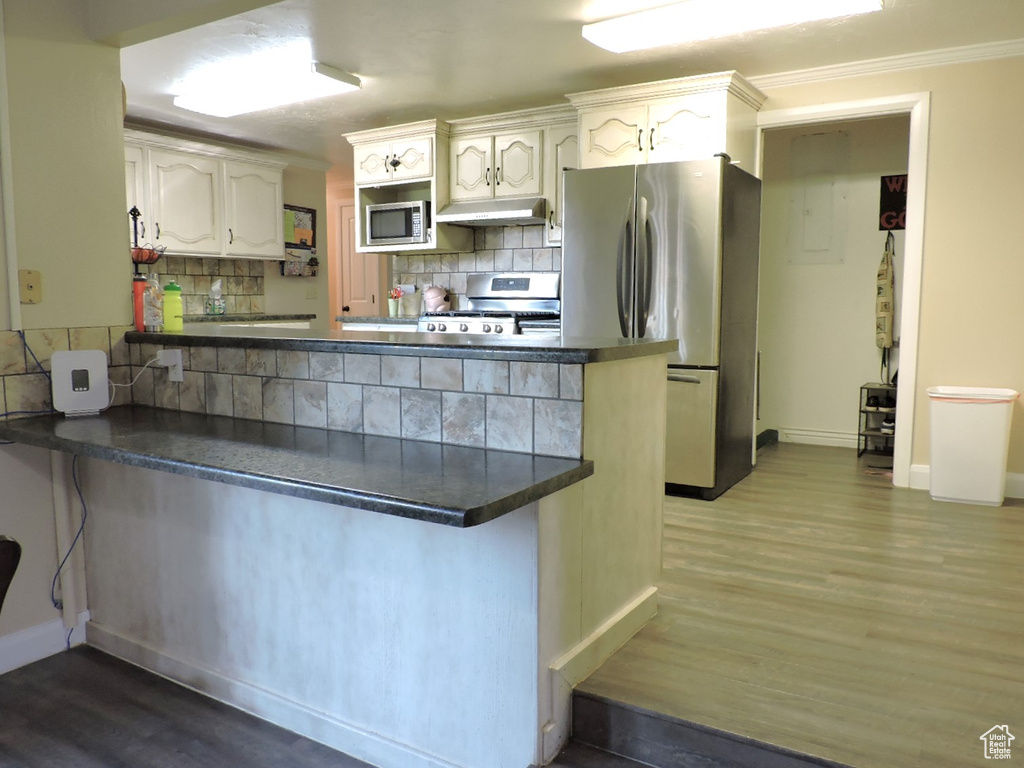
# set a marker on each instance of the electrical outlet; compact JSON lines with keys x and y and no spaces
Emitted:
{"x":172,"y":359}
{"x":30,"y":284}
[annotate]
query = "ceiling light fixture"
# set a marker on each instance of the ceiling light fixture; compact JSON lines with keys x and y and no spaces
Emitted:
{"x":695,"y":20}
{"x":282,"y":74}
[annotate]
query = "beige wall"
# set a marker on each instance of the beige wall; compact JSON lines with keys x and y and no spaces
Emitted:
{"x":303,"y":295}
{"x":971,"y":307}
{"x":64,"y":95}
{"x":816,"y":315}
{"x":65,"y":129}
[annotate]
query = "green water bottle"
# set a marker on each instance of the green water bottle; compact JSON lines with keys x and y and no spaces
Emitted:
{"x":173,"y":322}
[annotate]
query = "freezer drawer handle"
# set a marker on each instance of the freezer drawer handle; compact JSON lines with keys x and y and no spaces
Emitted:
{"x":683,"y":378}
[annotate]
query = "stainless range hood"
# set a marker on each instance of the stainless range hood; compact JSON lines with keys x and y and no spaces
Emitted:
{"x":495,"y":213}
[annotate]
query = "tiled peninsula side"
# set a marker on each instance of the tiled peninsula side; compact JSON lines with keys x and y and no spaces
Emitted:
{"x":399,"y":641}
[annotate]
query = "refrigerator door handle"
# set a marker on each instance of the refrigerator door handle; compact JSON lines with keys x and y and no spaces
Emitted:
{"x":683,"y":378}
{"x":644,"y":266}
{"x":624,"y":279}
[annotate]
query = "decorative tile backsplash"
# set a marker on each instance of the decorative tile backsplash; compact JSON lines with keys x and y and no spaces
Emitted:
{"x":508,"y":405}
{"x":241,"y":282}
{"x":25,"y":364}
{"x":497,"y":249}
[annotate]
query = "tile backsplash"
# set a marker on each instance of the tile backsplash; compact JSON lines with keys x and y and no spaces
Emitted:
{"x":526,"y":407}
{"x":497,"y":249}
{"x":241,"y":282}
{"x":25,"y":364}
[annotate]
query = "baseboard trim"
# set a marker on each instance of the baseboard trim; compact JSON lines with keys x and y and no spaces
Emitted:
{"x":921,"y":476}
{"x":39,"y":642}
{"x":576,"y":664}
{"x":817,"y":437}
{"x":296,"y":717}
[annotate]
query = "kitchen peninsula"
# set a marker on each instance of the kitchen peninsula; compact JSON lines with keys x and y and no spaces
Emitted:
{"x":271,"y":563}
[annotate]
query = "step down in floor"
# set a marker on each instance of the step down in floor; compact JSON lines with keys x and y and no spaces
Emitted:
{"x":653,"y":739}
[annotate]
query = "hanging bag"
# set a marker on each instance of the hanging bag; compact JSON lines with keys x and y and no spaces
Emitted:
{"x":884,"y":296}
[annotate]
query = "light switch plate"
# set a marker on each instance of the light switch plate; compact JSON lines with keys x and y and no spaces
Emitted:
{"x":31,"y":286}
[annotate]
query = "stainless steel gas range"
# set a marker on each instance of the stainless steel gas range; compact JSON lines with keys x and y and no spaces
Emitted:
{"x":503,"y":304}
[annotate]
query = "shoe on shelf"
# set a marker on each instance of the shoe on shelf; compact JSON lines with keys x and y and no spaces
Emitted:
{"x":871,"y":404}
{"x":888,"y":426}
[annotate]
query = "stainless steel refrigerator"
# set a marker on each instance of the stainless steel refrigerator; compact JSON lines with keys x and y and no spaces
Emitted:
{"x":670,"y":250}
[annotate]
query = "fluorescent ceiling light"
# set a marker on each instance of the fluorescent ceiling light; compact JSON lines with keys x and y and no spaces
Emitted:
{"x":708,"y":19}
{"x":283,"y":74}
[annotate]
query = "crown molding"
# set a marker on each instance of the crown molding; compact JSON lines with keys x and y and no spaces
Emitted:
{"x":984,"y":52}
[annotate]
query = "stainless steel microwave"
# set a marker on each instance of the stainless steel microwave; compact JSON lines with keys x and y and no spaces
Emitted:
{"x":398,"y":223}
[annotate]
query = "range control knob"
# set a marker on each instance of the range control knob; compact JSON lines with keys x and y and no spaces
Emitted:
{"x":486,"y":328}
{"x":463,"y":327}
{"x":442,"y":327}
{"x":497,"y":329}
{"x":431,"y":327}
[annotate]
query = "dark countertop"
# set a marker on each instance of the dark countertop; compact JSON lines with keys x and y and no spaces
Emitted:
{"x":373,"y":320}
{"x":549,"y":349}
{"x":250,"y":318}
{"x":435,"y":483}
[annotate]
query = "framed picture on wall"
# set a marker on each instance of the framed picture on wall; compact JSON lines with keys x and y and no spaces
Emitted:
{"x":299,"y":227}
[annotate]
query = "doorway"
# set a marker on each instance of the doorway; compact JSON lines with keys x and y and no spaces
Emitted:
{"x":916,"y":107}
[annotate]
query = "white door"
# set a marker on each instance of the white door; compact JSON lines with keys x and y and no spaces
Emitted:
{"x":561,"y":151}
{"x":371,"y":162}
{"x":186,"y":202}
{"x":471,"y":172}
{"x":517,"y":164}
{"x":691,"y":128}
{"x":135,"y":191}
{"x":360,"y":272}
{"x":412,"y":159}
{"x":253,"y":202}
{"x":613,"y":136}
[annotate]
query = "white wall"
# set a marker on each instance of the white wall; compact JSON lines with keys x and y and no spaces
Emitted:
{"x":816,"y":313}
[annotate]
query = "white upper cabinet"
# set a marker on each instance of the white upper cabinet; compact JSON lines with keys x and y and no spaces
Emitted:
{"x":404,"y":163}
{"x":201,"y":202}
{"x":186,"y":202}
{"x":505,"y":165}
{"x":561,"y":153}
{"x":135,"y":193}
{"x":613,"y":136}
{"x":682,"y":119}
{"x":249,"y":192}
{"x":404,"y":159}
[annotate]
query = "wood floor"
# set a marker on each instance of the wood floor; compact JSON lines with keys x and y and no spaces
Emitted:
{"x":816,"y":607}
{"x":84,"y":709}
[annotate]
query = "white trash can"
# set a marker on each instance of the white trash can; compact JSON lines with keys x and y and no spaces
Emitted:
{"x":969,"y":443}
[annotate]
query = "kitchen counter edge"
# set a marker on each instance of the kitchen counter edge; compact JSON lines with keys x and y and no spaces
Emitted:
{"x":449,"y":485}
{"x":520,"y":348}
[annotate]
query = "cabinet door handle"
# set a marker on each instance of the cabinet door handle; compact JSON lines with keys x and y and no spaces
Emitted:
{"x":345,"y":308}
{"x":143,"y":230}
{"x":551,"y":219}
{"x":487,"y":176}
{"x":231,"y":236}
{"x":652,"y":139}
{"x":640,"y":140}
{"x":158,"y":230}
{"x":395,"y":162}
{"x":497,"y":176}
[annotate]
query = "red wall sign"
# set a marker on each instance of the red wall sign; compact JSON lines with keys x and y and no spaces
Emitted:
{"x":892,"y":212}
